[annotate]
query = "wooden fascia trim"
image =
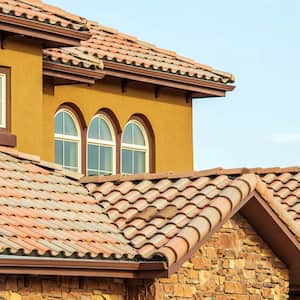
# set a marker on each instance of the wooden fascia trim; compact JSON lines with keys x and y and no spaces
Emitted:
{"x":79,"y":267}
{"x":167,"y":79}
{"x":174,"y":267}
{"x":72,"y":73}
{"x":43,"y":31}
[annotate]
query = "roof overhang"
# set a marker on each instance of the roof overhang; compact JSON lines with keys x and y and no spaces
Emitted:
{"x":50,"y":35}
{"x":67,"y":74}
{"x":197,"y":88}
{"x":81,"y":267}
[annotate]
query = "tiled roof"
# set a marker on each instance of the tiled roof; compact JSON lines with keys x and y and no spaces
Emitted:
{"x":45,"y":211}
{"x":38,"y":11}
{"x":284,"y":196}
{"x":109,"y":45}
{"x":66,"y":57}
{"x":170,"y":215}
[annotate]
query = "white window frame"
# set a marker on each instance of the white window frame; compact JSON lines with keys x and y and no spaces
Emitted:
{"x":133,"y":147}
{"x":3,"y":100}
{"x":100,"y":142}
{"x":70,"y":138}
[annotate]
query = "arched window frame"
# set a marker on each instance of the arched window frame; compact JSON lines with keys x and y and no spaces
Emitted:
{"x":100,"y":142}
{"x":137,"y":147}
{"x":70,"y":138}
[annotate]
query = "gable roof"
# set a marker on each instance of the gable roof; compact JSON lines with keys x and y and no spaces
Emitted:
{"x":147,"y":224}
{"x":127,"y":57}
{"x":36,"y":19}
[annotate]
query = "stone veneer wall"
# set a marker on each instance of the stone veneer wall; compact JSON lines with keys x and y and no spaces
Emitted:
{"x":233,"y":264}
{"x":56,"y":288}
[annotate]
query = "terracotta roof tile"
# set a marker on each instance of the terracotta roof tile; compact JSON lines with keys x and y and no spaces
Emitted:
{"x":109,"y":45}
{"x":39,"y":11}
{"x":171,"y":214}
{"x":44,"y":211}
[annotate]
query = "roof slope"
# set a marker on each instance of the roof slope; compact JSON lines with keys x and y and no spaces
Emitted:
{"x":170,"y":215}
{"x":48,"y":212}
{"x":36,"y":10}
{"x":109,"y":45}
{"x":45,"y":212}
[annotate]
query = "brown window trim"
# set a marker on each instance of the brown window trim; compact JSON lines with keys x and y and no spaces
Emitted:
{"x":6,"y":138}
{"x":75,"y":110}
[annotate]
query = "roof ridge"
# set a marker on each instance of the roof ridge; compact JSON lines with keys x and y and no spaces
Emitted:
{"x":192,"y":174}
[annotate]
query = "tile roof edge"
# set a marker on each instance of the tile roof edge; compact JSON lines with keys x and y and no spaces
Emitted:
{"x":268,"y":196}
{"x":153,"y":47}
{"x":192,"y":174}
{"x":36,"y":160}
{"x":17,"y":154}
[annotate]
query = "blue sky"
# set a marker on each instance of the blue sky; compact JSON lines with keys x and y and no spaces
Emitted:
{"x":258,"y":41}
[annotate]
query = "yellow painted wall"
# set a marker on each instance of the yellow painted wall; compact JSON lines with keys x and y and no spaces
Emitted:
{"x":169,"y":115}
{"x":33,"y":108}
{"x":25,"y":60}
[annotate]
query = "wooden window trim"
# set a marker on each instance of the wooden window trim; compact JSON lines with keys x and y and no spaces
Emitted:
{"x":6,"y":138}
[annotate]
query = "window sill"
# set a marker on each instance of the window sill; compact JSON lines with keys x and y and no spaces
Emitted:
{"x":8,"y":139}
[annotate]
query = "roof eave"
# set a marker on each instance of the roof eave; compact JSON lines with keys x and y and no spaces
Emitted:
{"x":198,"y":88}
{"x":82,"y":267}
{"x":51,"y":35}
{"x":71,"y":74}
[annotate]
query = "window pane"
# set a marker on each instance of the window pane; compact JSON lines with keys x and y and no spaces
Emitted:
{"x":138,"y":137}
{"x":106,"y":159}
{"x":2,"y":100}
{"x":127,"y":156}
{"x":71,"y":154}
{"x":127,"y":135}
{"x":93,"y":157}
{"x":69,"y":125}
{"x":94,"y":129}
{"x":59,"y":123}
{"x":59,"y":152}
{"x":105,"y":133}
{"x":139,"y":162}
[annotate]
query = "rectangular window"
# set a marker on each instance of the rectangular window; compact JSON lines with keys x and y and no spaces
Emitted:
{"x":3,"y":100}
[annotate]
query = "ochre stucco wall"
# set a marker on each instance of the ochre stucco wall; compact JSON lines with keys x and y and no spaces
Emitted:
{"x":25,"y":61}
{"x":234,"y":264}
{"x":169,"y":115}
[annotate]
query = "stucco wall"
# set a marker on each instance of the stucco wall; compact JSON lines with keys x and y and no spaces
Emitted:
{"x":60,"y":288}
{"x":169,"y":115}
{"x":25,"y":61}
{"x":234,"y":264}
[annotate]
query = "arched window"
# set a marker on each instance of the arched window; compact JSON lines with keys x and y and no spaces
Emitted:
{"x":135,"y":149}
{"x":101,"y":148}
{"x":67,"y":141}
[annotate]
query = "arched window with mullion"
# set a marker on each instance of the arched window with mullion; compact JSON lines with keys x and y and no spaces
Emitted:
{"x":67,"y":141}
{"x":101,"y":147}
{"x":135,"y":149}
